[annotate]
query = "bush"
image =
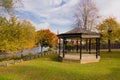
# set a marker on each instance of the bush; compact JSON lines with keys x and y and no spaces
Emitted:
{"x":30,"y":54}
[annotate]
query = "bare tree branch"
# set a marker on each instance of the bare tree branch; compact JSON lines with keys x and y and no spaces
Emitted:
{"x":86,"y":14}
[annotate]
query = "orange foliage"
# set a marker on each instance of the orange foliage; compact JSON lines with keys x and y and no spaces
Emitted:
{"x":46,"y":38}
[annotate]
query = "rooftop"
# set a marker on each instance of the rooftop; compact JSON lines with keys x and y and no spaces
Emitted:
{"x":78,"y":32}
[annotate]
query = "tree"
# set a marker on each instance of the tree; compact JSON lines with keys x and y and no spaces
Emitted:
{"x":86,"y":14}
{"x":109,"y":24}
{"x":109,"y":31}
{"x":118,"y":34}
{"x":16,"y":35}
{"x":46,"y":38}
{"x":9,"y":5}
{"x":28,"y":34}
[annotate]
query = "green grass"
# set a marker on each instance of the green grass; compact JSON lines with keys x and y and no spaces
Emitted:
{"x":47,"y":68}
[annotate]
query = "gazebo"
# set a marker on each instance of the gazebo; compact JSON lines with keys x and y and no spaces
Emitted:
{"x":79,"y":34}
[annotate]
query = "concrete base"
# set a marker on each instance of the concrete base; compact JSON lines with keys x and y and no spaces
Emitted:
{"x":86,"y":58}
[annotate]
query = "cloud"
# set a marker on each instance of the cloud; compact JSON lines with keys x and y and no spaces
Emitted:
{"x":52,"y":12}
{"x":59,"y":13}
{"x":47,"y":8}
{"x":42,"y":26}
{"x":109,"y":8}
{"x":31,"y":16}
{"x":60,"y":21}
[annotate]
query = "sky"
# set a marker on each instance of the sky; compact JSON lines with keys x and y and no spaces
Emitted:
{"x":57,"y":15}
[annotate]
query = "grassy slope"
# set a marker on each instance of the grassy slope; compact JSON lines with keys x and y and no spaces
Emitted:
{"x":48,"y":69}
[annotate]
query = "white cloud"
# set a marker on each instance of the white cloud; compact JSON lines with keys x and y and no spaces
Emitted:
{"x":42,"y":26}
{"x":55,"y":2}
{"x":60,"y":21}
{"x":109,"y":8}
{"x":48,"y":9}
{"x":60,"y":12}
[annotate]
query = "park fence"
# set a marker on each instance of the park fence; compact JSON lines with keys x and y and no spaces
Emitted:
{"x":113,"y":46}
{"x":104,"y":46}
{"x":6,"y":60}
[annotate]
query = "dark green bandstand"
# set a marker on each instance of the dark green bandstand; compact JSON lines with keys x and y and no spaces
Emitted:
{"x":79,"y":34}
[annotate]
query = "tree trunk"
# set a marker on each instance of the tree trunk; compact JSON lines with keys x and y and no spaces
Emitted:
{"x":109,"y":45}
{"x":41,"y":48}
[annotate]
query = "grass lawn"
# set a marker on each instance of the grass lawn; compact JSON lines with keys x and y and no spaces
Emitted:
{"x":47,"y":68}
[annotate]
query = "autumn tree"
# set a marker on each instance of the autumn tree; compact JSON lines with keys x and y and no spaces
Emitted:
{"x":16,"y":35}
{"x":86,"y":14}
{"x":109,"y":24}
{"x":28,"y":34}
{"x":109,"y":31}
{"x":46,"y":38}
{"x":118,"y":34}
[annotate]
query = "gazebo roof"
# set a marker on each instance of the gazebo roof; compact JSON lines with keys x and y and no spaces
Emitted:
{"x":78,"y":32}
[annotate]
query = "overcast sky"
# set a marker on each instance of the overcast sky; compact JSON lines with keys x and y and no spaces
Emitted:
{"x":58,"y":14}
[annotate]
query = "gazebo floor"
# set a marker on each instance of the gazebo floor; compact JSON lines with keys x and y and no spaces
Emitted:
{"x":86,"y":58}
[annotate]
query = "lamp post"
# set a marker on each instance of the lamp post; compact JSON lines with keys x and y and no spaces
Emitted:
{"x":109,"y":41}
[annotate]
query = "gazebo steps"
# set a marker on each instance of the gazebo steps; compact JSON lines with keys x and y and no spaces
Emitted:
{"x":86,"y":58}
{"x":70,"y":60}
{"x":82,"y":61}
{"x":89,"y":60}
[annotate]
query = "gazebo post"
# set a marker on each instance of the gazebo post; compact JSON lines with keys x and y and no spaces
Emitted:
{"x":90,"y":46}
{"x":86,"y":44}
{"x":59,"y":46}
{"x":80,"y":48}
{"x":63,"y":47}
{"x":77,"y":46}
{"x":97,"y":47}
{"x":66,"y":46}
